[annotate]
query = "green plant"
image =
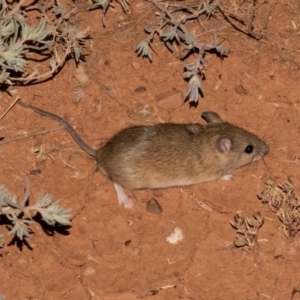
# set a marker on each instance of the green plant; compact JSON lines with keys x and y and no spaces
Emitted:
{"x":20,"y":215}
{"x":105,"y":4}
{"x":28,"y":51}
{"x":171,"y":29}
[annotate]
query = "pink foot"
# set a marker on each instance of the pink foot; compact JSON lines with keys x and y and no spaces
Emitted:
{"x":227,"y":177}
{"x":122,"y":197}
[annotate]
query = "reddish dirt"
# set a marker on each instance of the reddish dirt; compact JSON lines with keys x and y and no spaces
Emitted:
{"x":111,"y":252}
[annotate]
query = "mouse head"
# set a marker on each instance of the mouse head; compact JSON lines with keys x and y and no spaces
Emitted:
{"x":235,"y":146}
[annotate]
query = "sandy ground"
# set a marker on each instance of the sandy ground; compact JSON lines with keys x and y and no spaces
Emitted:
{"x":110,"y":252}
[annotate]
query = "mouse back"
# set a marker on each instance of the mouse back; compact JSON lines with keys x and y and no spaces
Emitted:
{"x":165,"y":155}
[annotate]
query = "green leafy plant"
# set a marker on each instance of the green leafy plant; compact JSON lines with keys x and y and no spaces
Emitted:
{"x":36,"y":52}
{"x":171,"y":29}
{"x":173,"y":17}
{"x":20,"y":215}
{"x":105,"y":4}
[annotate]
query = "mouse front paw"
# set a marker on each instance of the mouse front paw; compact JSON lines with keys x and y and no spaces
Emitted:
{"x":227,"y":177}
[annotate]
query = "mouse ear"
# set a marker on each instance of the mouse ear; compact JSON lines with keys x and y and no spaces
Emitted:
{"x":224,"y":144}
{"x":211,"y":117}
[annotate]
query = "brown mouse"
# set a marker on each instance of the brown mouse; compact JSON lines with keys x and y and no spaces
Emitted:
{"x":166,"y":155}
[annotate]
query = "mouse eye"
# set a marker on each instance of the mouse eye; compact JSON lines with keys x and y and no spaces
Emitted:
{"x":249,"y":149}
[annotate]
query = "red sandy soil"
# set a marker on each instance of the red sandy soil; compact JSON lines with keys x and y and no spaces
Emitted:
{"x":113,"y":253}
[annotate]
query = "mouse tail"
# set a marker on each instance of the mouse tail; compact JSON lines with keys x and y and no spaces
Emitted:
{"x":91,"y":151}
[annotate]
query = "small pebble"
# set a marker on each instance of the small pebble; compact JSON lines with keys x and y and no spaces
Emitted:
{"x":140,"y":89}
{"x":81,"y":75}
{"x":89,"y":271}
{"x":127,"y":243}
{"x":154,"y":207}
{"x":240,"y":90}
{"x":35,"y":172}
{"x":13,"y":92}
{"x":136,"y":65}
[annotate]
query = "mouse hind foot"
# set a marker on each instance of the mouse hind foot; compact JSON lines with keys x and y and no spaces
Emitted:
{"x":227,"y":177}
{"x":123,"y":199}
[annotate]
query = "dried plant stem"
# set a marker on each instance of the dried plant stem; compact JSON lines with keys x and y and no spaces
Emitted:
{"x":9,"y":108}
{"x":6,"y":141}
{"x":168,"y":13}
{"x":49,"y":74}
{"x":16,"y":8}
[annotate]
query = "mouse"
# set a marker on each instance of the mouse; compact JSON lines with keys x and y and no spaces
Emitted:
{"x":170,"y":154}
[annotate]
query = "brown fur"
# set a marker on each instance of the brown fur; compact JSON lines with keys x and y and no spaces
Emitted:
{"x":166,"y":155}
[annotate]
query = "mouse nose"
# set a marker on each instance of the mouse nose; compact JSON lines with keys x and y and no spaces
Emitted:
{"x":263,"y":151}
